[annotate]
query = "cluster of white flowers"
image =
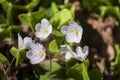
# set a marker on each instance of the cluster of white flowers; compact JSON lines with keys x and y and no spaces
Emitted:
{"x":73,"y":34}
{"x":37,"y":52}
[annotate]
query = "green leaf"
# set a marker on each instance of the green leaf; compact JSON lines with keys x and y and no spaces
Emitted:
{"x":37,"y":16}
{"x":55,"y":67}
{"x":54,"y":45}
{"x":20,"y":56}
{"x":26,"y":19}
{"x":4,"y":33}
{"x":58,"y":33}
{"x":54,"y":7}
{"x":3,"y":59}
{"x":45,"y":76}
{"x":86,"y":62}
{"x":95,"y":74}
{"x":65,"y":16}
{"x":13,"y":51}
{"x":78,"y":72}
{"x":32,"y":19}
{"x":115,"y":67}
{"x":33,"y":4}
{"x":55,"y":20}
{"x":103,"y":10}
{"x":2,"y":20}
{"x":71,"y":62}
{"x":8,"y":7}
{"x":28,"y":7}
{"x":16,"y":28}
{"x":1,"y":1}
{"x":61,"y":18}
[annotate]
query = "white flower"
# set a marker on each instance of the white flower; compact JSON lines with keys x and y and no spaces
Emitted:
{"x":23,"y":43}
{"x":66,"y":49}
{"x":36,"y":54}
{"x":73,"y":32}
{"x":43,"y":29}
{"x":80,"y":54}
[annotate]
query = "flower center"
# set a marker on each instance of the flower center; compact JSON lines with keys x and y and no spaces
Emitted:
{"x":41,"y":54}
{"x":45,"y":30}
{"x":75,"y":31}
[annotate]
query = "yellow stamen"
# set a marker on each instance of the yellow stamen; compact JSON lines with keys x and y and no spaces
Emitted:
{"x":75,"y":31}
{"x":41,"y":54}
{"x":45,"y":30}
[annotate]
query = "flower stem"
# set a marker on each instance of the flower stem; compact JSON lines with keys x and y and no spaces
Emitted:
{"x":11,"y":63}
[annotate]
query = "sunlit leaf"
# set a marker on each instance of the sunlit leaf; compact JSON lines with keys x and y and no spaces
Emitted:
{"x":55,"y":20}
{"x":32,"y":19}
{"x":55,"y":45}
{"x":58,"y":33}
{"x":65,"y":16}
{"x":115,"y":67}
{"x":55,"y":67}
{"x":13,"y":51}
{"x":54,"y":8}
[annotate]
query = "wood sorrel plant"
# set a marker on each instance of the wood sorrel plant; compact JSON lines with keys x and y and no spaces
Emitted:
{"x":37,"y":52}
{"x":54,"y":52}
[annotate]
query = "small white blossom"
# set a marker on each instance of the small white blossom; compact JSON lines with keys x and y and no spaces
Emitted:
{"x":80,"y":54}
{"x":23,"y":43}
{"x":36,"y":54}
{"x":43,"y":29}
{"x":73,"y":32}
{"x":66,"y":49}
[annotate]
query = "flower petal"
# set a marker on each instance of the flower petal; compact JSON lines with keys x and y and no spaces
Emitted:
{"x":26,"y":42}
{"x":72,"y":23}
{"x":81,"y":53}
{"x":37,"y":59}
{"x":68,"y":55}
{"x":20,"y":41}
{"x":64,"y":29}
{"x":40,"y":35}
{"x":44,"y":22}
{"x":65,"y":48}
{"x":37,"y":27}
{"x":85,"y":51}
{"x":30,"y":54}
{"x":49,"y":29}
{"x":79,"y":50}
{"x":70,"y":37}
